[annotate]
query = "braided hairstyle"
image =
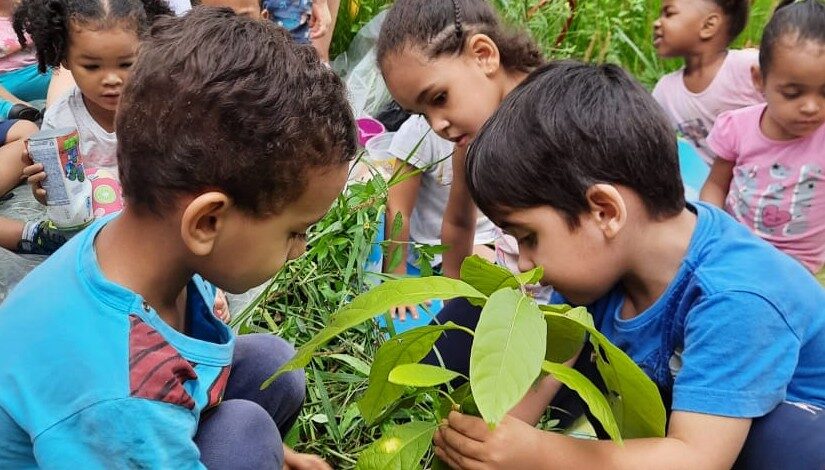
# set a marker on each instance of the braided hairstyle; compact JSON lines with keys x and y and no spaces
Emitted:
{"x":439,"y":27}
{"x":798,"y":20}
{"x":47,"y":22}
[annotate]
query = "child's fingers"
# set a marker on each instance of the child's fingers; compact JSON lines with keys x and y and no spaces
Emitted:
{"x":39,"y":195}
{"x":470,"y":426}
{"x":31,"y":170}
{"x":27,"y":159}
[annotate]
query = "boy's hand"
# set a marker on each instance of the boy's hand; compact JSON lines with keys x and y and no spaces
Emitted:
{"x":320,"y":19}
{"x":221,"y":306}
{"x":465,"y":442}
{"x":295,"y":461}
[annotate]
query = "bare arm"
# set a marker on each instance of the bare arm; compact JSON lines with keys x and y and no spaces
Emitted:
{"x":460,"y":217}
{"x":694,"y":441}
{"x":717,"y":185}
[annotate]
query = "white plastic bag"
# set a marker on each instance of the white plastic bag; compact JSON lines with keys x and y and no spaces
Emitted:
{"x":358,"y":68}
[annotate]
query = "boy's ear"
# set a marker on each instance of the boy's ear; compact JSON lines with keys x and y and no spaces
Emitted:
{"x":265,"y":14}
{"x":756,"y":76}
{"x":202,"y":221}
{"x":607,"y":208}
{"x":711,"y":26}
{"x":485,"y":52}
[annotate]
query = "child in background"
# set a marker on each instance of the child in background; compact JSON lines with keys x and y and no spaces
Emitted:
{"x":97,"y":42}
{"x":770,"y":167}
{"x":714,"y":79}
{"x":731,"y":330}
{"x":453,"y":62}
{"x":422,"y":198}
{"x":138,"y":374}
{"x":20,"y":79}
{"x":304,"y":19}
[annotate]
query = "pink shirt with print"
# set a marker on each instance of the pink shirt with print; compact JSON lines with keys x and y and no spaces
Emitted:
{"x":693,"y":114}
{"x":12,"y":55}
{"x":778,"y":187}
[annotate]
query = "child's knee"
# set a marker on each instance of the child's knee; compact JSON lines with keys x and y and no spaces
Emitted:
{"x":240,"y":434}
{"x":790,"y":436}
{"x":269,"y":353}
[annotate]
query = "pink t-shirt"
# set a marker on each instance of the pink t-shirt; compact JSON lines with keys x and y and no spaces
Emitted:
{"x":777,"y":187}
{"x":12,"y":55}
{"x":693,"y":114}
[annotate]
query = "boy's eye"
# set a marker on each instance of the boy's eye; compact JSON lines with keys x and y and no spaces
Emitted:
{"x":91,"y":67}
{"x":790,"y":95}
{"x":439,"y":99}
{"x":298,"y":235}
{"x":527,"y":240}
{"x":126,"y":65}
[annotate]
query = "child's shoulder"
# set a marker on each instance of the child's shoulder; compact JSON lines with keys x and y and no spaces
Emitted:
{"x":743,"y":57}
{"x":725,"y":257}
{"x":60,"y":113}
{"x":669,"y":82}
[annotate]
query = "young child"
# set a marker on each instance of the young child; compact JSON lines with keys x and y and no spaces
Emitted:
{"x":137,"y":374}
{"x":731,"y":330}
{"x":97,"y":42}
{"x":20,"y":80}
{"x":770,"y":166}
{"x":304,"y":19}
{"x":422,"y":197}
{"x":714,"y":78}
{"x":453,"y":62}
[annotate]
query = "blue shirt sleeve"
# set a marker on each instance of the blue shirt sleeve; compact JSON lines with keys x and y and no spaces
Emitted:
{"x":738,"y":359}
{"x":128,"y":432}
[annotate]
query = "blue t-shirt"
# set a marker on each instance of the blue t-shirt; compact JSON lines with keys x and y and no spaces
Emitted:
{"x":739,"y":329}
{"x":92,"y":376}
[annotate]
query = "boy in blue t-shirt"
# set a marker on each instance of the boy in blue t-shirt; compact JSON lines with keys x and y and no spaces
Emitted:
{"x":112,"y":357}
{"x":579,"y":164}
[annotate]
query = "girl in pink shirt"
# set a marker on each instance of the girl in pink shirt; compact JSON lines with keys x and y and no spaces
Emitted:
{"x":770,"y":167}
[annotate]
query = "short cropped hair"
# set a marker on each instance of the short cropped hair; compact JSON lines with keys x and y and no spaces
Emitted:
{"x":570,"y":126}
{"x":221,"y":102}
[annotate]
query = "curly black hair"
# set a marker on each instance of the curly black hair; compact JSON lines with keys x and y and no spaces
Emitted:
{"x":203,"y":110}
{"x":47,"y":22}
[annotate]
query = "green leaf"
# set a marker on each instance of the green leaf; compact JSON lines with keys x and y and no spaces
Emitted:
{"x":397,"y":223}
{"x":458,"y":396}
{"x":488,"y":277}
{"x":421,"y":375}
{"x":401,"y":448}
{"x":634,"y":398}
{"x":396,"y":258}
{"x":484,"y":275}
{"x":357,"y":364}
{"x":507,"y":352}
{"x":369,"y":304}
{"x":564,"y":339}
{"x":591,"y":395}
{"x":407,"y":348}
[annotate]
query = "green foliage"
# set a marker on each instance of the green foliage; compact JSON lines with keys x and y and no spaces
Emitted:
{"x":507,"y":352}
{"x":507,"y":357}
{"x":401,"y":448}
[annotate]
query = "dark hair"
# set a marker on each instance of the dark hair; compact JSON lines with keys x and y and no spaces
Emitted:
{"x":737,"y":12}
{"x":569,"y":126}
{"x":48,"y":22}
{"x":203,"y":111}
{"x":441,"y":27}
{"x":803,"y":20}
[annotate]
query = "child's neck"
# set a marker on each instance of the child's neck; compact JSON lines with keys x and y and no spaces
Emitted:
{"x":658,"y":251}
{"x":701,"y":68}
{"x":139,"y":254}
{"x":102,"y":116}
{"x":512,"y":79}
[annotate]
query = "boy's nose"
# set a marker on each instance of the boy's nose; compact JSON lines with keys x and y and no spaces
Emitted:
{"x":524,"y":262}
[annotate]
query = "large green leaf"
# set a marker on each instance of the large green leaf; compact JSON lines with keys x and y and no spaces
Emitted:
{"x":634,"y":398}
{"x":565,"y":338}
{"x":406,"y":348}
{"x":507,"y":352}
{"x":591,"y":395}
{"x":408,"y":291}
{"x":401,"y":448}
{"x":421,"y":375}
{"x":488,"y":277}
